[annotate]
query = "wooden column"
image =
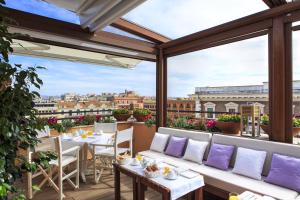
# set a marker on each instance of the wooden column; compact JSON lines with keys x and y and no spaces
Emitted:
{"x":161,"y":90}
{"x":280,"y":81}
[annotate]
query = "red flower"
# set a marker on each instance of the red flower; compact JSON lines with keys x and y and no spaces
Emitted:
{"x":98,"y":118}
{"x":147,"y":117}
{"x":52,"y":121}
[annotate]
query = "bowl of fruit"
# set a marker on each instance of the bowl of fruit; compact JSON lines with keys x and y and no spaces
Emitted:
{"x":123,"y":159}
{"x":152,"y":171}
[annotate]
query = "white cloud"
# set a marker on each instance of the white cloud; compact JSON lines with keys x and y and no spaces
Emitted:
{"x":176,"y":18}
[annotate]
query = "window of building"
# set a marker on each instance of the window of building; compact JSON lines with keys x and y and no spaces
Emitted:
{"x":210,"y":108}
{"x":231,"y":107}
{"x":210,"y":114}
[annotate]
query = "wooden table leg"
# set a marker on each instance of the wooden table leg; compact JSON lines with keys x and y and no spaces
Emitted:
{"x":135,"y":189}
{"x":198,"y":194}
{"x":117,"y":184}
{"x":141,"y":191}
{"x":166,"y":196}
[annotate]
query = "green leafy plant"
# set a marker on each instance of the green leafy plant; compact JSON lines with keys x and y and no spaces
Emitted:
{"x":67,"y":124}
{"x":150,"y":122}
{"x":108,"y":119}
{"x":18,"y":122}
{"x":89,"y":120}
{"x":264,"y":120}
{"x":120,"y":111}
{"x":141,"y":111}
{"x":41,"y":122}
{"x":229,"y":118}
{"x":296,"y":122}
{"x":182,"y":122}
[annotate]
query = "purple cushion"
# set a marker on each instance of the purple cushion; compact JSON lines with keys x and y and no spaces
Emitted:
{"x":285,"y":171}
{"x":176,"y":146}
{"x":219,"y":156}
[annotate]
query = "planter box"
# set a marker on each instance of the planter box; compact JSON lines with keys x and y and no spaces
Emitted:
{"x":232,"y":128}
{"x":141,"y":118}
{"x":266,"y":129}
{"x":121,"y":117}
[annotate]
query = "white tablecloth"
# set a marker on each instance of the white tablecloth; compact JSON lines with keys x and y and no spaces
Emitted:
{"x":70,"y":141}
{"x":179,"y":187}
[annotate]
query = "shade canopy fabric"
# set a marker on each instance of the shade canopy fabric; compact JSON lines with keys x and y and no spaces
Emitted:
{"x":28,"y":48}
{"x":96,"y":14}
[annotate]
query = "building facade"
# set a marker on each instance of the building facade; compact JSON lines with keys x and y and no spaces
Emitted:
{"x":230,"y":98}
{"x":129,"y":100}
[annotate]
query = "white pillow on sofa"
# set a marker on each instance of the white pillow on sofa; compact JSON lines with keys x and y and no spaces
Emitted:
{"x":159,"y":142}
{"x":249,"y":162}
{"x":195,"y":151}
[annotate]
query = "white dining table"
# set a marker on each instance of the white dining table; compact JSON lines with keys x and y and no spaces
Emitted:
{"x":69,"y":141}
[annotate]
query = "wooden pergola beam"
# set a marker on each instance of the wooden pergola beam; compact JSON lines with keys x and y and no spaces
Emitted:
{"x":52,"y":27}
{"x":161,"y":89}
{"x":229,"y":26}
{"x":139,"y":31}
{"x":274,"y":3}
{"x":241,"y":33}
{"x":280,"y":81}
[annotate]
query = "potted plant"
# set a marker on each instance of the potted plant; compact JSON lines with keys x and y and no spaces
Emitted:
{"x":265,"y":125}
{"x":67,"y":125}
{"x":121,"y":114}
{"x":141,"y":114}
{"x":229,"y":123}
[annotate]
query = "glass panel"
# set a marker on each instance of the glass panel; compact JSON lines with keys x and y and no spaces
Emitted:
{"x":296,"y":81}
{"x":221,"y":80}
{"x":44,"y":9}
{"x":176,"y":18}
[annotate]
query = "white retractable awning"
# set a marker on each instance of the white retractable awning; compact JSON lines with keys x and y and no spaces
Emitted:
{"x":96,"y":14}
{"x":27,"y":48}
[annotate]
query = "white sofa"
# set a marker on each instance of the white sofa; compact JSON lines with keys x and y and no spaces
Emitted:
{"x":226,"y":180}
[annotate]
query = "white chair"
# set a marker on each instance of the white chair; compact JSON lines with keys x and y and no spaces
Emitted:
{"x":105,"y":127}
{"x":44,"y":145}
{"x":65,"y":157}
{"x":107,"y":153}
{"x":44,"y":132}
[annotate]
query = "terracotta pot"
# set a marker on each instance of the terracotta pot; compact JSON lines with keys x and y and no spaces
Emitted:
{"x":266,"y":129}
{"x":141,"y":118}
{"x":121,"y":117}
{"x":232,"y":128}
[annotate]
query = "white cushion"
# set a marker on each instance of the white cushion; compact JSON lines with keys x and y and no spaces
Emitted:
{"x":159,"y":142}
{"x":226,"y":180}
{"x":298,"y":198}
{"x":195,"y":151}
{"x":249,"y":162}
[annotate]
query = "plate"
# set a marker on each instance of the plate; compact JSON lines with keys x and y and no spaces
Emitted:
{"x":173,"y":178}
{"x":135,"y":164}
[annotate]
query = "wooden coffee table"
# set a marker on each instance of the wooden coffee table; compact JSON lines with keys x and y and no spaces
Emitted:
{"x":140,"y":184}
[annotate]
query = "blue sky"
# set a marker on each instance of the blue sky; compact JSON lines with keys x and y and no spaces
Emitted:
{"x":235,"y":64}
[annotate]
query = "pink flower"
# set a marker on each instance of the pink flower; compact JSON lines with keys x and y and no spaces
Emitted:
{"x":79,"y":119}
{"x":210,"y":124}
